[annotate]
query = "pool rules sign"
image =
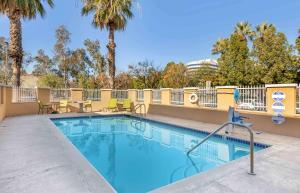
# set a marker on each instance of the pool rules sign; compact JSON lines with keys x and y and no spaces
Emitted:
{"x":278,"y":107}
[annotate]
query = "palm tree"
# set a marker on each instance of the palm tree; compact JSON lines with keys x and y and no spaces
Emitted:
{"x":245,"y":30}
{"x":262,"y":28}
{"x":220,"y":46}
{"x":112,"y":15}
{"x":16,"y":10}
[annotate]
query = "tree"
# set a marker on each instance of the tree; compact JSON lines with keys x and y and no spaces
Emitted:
{"x":262,"y":29}
{"x":154,"y":78}
{"x":103,"y":81}
{"x":202,"y":75}
{"x":235,"y":65}
{"x":79,"y":69}
{"x":51,"y":80}
{"x":98,"y":62}
{"x":43,"y":64}
{"x":220,"y":46}
{"x":5,"y":63}
{"x":297,"y":58}
{"x":244,"y":29}
{"x":145,"y":75}
{"x":62,"y":52}
{"x":174,"y":76}
{"x":123,"y":81}
{"x":113,"y":16}
{"x":16,"y":10}
{"x":274,"y":54}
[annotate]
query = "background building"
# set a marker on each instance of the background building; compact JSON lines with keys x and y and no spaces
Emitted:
{"x":195,"y":65}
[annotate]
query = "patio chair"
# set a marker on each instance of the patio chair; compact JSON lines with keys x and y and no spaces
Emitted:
{"x":43,"y":107}
{"x":87,"y":104}
{"x":127,"y":104}
{"x":63,"y":104}
{"x":112,"y":105}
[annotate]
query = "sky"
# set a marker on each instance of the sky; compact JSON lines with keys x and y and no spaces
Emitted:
{"x":162,"y":30}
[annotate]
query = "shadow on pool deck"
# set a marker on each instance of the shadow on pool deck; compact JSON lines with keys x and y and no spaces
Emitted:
{"x":35,"y":157}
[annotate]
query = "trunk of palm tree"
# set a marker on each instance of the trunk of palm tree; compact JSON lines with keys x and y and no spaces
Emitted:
{"x":15,"y":46}
{"x":111,"y":55}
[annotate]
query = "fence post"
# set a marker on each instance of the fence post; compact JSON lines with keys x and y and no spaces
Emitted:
{"x":166,"y":96}
{"x":225,"y":97}
{"x":76,"y":94}
{"x":105,"y":97}
{"x":43,"y":94}
{"x":290,"y":91}
{"x":187,"y":92}
{"x":3,"y":102}
{"x":147,"y":98}
{"x":132,"y":95}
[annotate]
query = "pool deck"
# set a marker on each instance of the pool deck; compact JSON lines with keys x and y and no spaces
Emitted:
{"x":35,"y":158}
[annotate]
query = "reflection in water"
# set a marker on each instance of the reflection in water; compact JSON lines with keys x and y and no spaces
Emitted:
{"x":137,"y":156}
{"x":112,"y":156}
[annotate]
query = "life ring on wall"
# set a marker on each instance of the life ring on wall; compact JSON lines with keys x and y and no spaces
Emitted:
{"x":193,"y":98}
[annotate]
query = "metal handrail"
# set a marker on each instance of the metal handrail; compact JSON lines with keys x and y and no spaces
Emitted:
{"x":251,"y":172}
{"x":139,"y":106}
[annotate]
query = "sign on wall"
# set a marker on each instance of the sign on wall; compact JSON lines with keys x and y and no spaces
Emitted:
{"x":278,"y":96}
{"x":278,"y":107}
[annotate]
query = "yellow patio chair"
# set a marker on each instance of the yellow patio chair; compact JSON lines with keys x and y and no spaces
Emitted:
{"x":127,"y":104}
{"x":113,"y":105}
{"x":87,"y":104}
{"x":63,"y":104}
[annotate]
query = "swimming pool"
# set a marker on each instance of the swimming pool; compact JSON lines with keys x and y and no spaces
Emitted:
{"x":138,"y":155}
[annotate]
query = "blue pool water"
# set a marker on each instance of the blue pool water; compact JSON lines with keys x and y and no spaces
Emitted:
{"x":137,"y":156}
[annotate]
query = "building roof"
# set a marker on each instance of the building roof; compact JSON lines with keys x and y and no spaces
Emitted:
{"x":199,"y":63}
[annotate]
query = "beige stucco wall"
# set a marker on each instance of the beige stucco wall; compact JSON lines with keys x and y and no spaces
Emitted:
{"x":105,"y":97}
{"x":166,"y":96}
{"x":289,"y":101}
{"x":224,"y":100}
{"x":187,"y":93}
{"x":15,"y":109}
{"x":76,"y":94}
{"x":147,"y":98}
{"x":261,"y":121}
{"x":2,"y":103}
{"x":132,"y":95}
{"x":225,"y":97}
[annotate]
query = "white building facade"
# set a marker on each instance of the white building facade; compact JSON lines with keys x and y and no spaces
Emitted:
{"x":195,"y":65}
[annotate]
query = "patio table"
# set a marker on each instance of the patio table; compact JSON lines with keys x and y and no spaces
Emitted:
{"x":80,"y":103}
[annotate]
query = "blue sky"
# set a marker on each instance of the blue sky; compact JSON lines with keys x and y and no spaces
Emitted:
{"x":162,"y":30}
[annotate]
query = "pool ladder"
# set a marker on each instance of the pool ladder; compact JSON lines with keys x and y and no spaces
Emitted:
{"x":251,"y":172}
{"x":141,"y":107}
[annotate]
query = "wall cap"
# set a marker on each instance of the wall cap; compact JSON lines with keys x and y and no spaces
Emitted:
{"x":190,"y":88}
{"x":229,"y":87}
{"x":148,"y":89}
{"x":7,"y":86}
{"x":131,"y":89}
{"x":166,"y":89}
{"x":106,"y":89}
{"x":43,"y":88}
{"x":280,"y":85}
{"x":77,"y":89}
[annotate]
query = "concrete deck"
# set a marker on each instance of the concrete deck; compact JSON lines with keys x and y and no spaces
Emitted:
{"x":35,"y":157}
